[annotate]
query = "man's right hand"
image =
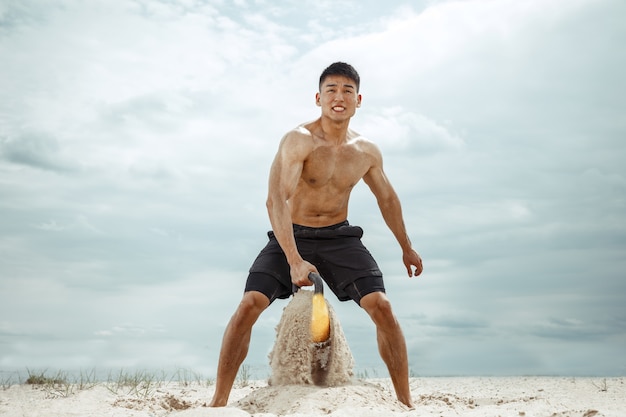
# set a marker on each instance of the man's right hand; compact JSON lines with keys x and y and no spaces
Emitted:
{"x":300,"y":273}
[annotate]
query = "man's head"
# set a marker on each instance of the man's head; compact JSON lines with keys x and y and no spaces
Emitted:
{"x":343,"y":69}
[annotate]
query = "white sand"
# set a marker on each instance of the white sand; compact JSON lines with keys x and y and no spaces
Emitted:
{"x":294,"y":393}
{"x":445,"y":397}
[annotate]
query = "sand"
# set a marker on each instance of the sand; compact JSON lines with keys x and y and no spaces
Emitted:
{"x":440,"y":397}
{"x":295,"y":360}
{"x":316,"y":380}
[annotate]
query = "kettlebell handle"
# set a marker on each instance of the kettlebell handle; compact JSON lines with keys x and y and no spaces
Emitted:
{"x":318,"y":284}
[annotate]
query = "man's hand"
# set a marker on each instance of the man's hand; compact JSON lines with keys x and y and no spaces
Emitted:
{"x":412,"y":259}
{"x":300,"y":273}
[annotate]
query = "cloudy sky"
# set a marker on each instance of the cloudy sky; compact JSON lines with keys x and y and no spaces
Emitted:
{"x":136,"y":138}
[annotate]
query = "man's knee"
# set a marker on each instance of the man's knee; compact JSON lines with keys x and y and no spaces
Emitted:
{"x":252,"y":304}
{"x":378,"y":306}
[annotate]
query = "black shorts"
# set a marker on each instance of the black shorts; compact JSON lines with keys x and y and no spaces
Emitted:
{"x":337,"y":252}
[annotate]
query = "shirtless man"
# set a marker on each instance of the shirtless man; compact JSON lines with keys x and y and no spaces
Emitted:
{"x":313,"y":173}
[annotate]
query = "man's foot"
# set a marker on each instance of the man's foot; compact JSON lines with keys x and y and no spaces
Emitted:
{"x":408,"y":403}
{"x":217,"y":403}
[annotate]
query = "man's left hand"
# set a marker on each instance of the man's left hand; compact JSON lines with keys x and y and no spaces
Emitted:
{"x":412,"y":260}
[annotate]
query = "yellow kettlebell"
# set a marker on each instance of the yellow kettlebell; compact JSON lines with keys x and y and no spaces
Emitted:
{"x":320,"y":318}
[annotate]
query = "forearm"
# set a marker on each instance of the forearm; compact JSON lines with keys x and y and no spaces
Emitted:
{"x":282,"y":226}
{"x":391,"y":210}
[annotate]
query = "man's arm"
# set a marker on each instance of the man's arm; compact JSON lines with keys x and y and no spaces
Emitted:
{"x":284,"y":176}
{"x":391,"y":209}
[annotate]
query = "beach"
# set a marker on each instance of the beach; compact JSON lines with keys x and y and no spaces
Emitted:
{"x":442,"y":397}
{"x":311,"y":379}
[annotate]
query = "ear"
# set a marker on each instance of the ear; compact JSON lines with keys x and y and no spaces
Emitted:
{"x":358,"y":100}
{"x":317,"y":100}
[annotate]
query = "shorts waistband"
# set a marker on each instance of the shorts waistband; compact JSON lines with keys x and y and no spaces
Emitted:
{"x":334,"y":231}
{"x":297,"y":227}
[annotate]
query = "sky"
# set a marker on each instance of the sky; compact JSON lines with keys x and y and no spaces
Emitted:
{"x":136,"y":138}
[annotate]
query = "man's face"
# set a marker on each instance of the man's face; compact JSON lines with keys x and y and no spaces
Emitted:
{"x":338,"y":97}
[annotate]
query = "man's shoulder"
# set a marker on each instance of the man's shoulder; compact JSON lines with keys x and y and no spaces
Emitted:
{"x":299,"y":140}
{"x":363,"y":143}
{"x":303,"y":130}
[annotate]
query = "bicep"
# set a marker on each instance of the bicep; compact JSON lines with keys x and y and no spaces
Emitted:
{"x":286,"y":168}
{"x":378,"y":183}
{"x":377,"y":180}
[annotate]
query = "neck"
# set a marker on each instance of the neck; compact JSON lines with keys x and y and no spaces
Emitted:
{"x":334,"y":131}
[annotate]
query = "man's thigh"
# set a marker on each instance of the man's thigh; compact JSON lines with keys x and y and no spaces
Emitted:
{"x":361,"y":287}
{"x":267,"y":285}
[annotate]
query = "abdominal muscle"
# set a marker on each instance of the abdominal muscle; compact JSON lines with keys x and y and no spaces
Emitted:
{"x":318,"y":207}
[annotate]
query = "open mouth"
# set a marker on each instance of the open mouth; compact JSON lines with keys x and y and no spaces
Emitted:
{"x":339,"y":108}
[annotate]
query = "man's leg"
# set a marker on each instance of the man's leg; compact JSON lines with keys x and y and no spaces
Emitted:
{"x":235,"y":344}
{"x":391,"y":343}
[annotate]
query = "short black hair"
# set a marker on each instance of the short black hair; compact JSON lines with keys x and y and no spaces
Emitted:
{"x":341,"y":68}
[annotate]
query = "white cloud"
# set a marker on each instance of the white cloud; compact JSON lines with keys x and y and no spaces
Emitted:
{"x":401,"y":131}
{"x":135,"y":147}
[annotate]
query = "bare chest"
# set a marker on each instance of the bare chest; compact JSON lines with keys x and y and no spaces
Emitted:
{"x":339,"y":168}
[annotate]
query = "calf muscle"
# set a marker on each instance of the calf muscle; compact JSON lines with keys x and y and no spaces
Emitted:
{"x":235,"y":344}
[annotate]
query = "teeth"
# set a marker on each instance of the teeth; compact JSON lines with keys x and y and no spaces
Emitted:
{"x":338,"y":108}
